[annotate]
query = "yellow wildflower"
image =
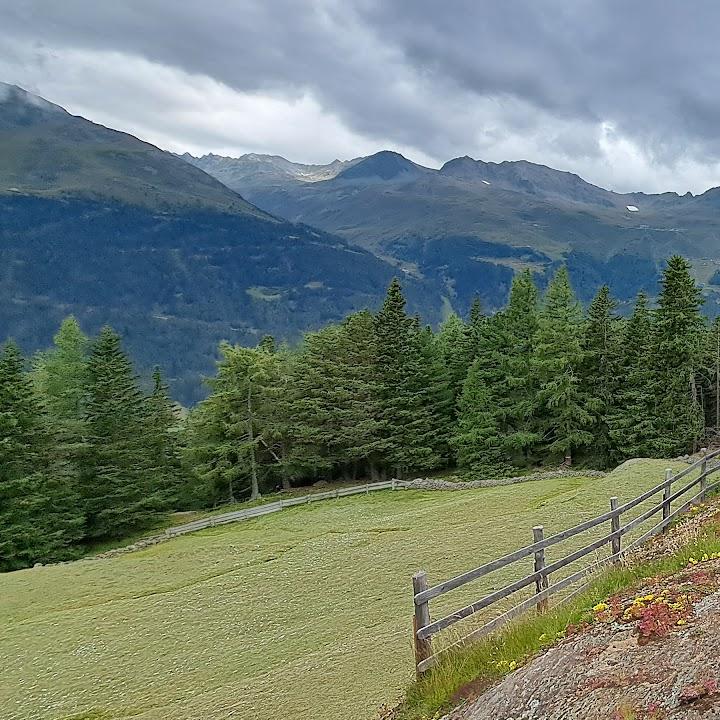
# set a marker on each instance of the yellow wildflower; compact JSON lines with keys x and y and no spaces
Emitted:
{"x":512,"y":666}
{"x":682,"y":622}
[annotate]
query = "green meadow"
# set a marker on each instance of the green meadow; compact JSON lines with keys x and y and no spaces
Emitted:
{"x":301,"y":614}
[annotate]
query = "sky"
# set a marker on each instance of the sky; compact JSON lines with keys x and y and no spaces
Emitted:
{"x":623,"y":92}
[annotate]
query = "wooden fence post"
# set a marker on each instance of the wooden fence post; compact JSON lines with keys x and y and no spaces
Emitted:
{"x":615,"y":528}
{"x":666,"y":494}
{"x":542,"y":582}
{"x":423,"y":648}
{"x":703,"y":475}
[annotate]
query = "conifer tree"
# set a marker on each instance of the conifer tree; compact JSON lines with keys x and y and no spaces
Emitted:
{"x":557,"y":361}
{"x":162,"y":441}
{"x":677,"y":355}
{"x":515,"y":390}
{"x":39,"y":515}
{"x":601,"y":365}
{"x":456,"y":348}
{"x":117,"y":484}
{"x":477,"y":321}
{"x":478,"y":441}
{"x":712,"y":374}
{"x":334,"y":404}
{"x":61,"y":374}
{"x":408,"y":422}
{"x":227,"y":427}
{"x":631,"y":422}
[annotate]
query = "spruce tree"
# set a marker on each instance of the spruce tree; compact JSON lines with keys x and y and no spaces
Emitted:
{"x":601,"y":366}
{"x":677,"y":356}
{"x":456,"y":347}
{"x":119,"y":490}
{"x":712,"y":374}
{"x":39,"y":516}
{"x":477,"y":440}
{"x":227,"y":429}
{"x":514,"y":386}
{"x":162,"y":426}
{"x":564,"y":420}
{"x":477,"y":321}
{"x":631,"y":422}
{"x":408,"y":422}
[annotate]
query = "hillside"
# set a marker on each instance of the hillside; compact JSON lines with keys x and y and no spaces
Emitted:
{"x":471,"y":214}
{"x":314,"y":599}
{"x":102,"y":225}
{"x":649,"y":651}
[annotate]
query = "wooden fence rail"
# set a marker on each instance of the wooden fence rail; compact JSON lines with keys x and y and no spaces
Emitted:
{"x":267,"y":508}
{"x":424,"y":628}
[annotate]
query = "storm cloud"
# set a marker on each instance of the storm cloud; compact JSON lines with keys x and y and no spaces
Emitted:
{"x":624,"y":93}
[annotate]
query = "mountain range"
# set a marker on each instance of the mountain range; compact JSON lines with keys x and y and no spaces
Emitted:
{"x":114,"y":230}
{"x":179,"y":252}
{"x":470,"y":224}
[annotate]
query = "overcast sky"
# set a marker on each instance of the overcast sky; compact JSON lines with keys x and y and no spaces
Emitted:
{"x":624,"y":92}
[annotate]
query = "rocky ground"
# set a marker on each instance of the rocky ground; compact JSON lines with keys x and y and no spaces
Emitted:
{"x":649,"y":654}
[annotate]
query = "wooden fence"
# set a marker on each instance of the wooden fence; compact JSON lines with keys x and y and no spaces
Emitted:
{"x":424,"y":627}
{"x":272,"y":507}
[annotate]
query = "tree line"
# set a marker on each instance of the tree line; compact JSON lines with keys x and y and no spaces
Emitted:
{"x":86,"y":455}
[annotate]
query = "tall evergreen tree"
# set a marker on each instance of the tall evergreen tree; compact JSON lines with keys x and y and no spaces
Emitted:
{"x":497,"y":418}
{"x":39,"y":516}
{"x":162,"y":425}
{"x":409,"y":430}
{"x":677,"y":354}
{"x":601,"y":366}
{"x":557,"y":361}
{"x":227,"y":428}
{"x":712,"y":375}
{"x":118,"y":482}
{"x":478,"y":440}
{"x":631,"y":422}
{"x":515,"y":390}
{"x":456,"y":348}
{"x":477,"y":321}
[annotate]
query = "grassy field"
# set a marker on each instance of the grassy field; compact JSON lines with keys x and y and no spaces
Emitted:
{"x":300,"y":614}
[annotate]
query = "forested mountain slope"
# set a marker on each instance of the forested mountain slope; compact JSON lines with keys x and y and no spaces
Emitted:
{"x":99,"y":224}
{"x":479,"y":219}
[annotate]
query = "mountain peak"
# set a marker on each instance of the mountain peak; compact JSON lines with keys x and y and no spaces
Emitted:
{"x":20,"y":108}
{"x":383,"y":165}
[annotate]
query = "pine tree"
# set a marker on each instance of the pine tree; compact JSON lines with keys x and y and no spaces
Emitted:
{"x":677,"y":356}
{"x":631,"y":423}
{"x":226,"y":436}
{"x":515,"y":390}
{"x":557,"y":360}
{"x":478,"y":441}
{"x":162,"y":426}
{"x":477,"y":321}
{"x":334,"y":401}
{"x":712,"y":374}
{"x":118,"y":486}
{"x":61,"y":374}
{"x":601,"y":365}
{"x":456,"y":348}
{"x":408,"y":422}
{"x":39,"y":518}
